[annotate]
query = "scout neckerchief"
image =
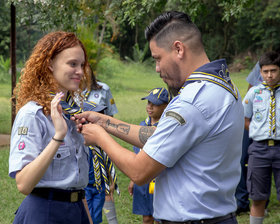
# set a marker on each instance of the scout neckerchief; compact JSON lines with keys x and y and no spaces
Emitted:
{"x":272,"y":117}
{"x":70,"y":108}
{"x":152,"y":183}
{"x":109,"y":167}
{"x":215,"y":72}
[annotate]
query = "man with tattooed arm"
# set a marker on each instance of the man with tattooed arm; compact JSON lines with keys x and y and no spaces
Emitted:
{"x":194,"y":153}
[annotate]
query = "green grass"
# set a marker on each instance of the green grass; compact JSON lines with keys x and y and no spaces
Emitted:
{"x":128,"y":83}
{"x":5,"y":108}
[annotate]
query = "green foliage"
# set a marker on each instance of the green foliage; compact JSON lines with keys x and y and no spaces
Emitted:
{"x":229,"y":27}
{"x":108,"y":67}
{"x":138,"y":54}
{"x":90,"y":43}
{"x":95,"y":51}
{"x":4,"y":69}
{"x":233,"y":8}
{"x":61,"y":14}
{"x":5,"y":108}
{"x":4,"y":28}
{"x":258,"y":28}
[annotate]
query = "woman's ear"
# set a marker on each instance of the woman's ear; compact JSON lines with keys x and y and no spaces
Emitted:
{"x":51,"y":66}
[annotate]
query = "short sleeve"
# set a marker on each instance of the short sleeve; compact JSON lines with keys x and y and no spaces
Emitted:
{"x":180,"y":122}
{"x":26,"y":140}
{"x":248,"y":103}
{"x":110,"y":103}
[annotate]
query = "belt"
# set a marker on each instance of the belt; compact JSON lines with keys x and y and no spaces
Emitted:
{"x":269,"y":142}
{"x":59,"y":194}
{"x":202,"y":221}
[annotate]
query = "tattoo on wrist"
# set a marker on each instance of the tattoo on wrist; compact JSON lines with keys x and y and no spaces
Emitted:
{"x":122,"y":128}
{"x":145,"y":133}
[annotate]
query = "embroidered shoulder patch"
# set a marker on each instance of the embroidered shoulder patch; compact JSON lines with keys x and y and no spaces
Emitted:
{"x":177,"y":116}
{"x":22,"y":130}
{"x":112,"y":101}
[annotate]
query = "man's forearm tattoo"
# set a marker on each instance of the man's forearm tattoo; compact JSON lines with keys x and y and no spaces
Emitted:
{"x":145,"y":133}
{"x":123,"y":128}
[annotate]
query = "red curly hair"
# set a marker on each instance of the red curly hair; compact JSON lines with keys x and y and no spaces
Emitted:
{"x":37,"y":81}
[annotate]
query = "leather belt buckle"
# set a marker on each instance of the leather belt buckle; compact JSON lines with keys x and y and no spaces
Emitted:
{"x":271,"y":142}
{"x":74,"y":196}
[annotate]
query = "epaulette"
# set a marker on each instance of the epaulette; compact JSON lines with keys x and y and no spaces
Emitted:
{"x":190,"y":92}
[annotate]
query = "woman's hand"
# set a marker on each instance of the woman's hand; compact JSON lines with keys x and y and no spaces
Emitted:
{"x":57,"y":118}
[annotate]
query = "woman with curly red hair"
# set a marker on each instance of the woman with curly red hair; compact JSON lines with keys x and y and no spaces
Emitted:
{"x":47,"y":156}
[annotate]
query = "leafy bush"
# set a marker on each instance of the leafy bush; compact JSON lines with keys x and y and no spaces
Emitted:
{"x":95,"y":51}
{"x":109,"y":66}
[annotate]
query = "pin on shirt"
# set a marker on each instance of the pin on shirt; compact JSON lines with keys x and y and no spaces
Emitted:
{"x":258,"y":91}
{"x":21,"y":145}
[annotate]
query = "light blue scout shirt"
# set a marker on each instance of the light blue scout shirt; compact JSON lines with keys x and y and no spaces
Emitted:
{"x":104,"y":97}
{"x":31,"y":133}
{"x":198,"y":139}
{"x":256,"y":106}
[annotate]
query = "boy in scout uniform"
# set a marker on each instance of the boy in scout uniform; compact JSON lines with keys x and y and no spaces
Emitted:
{"x":158,"y":99}
{"x":262,"y":119}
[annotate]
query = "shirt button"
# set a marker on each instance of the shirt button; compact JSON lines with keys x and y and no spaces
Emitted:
{"x":58,"y":155}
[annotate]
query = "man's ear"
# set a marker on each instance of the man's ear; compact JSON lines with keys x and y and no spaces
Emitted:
{"x":179,"y":48}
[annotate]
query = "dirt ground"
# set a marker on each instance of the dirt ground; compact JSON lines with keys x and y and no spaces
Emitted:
{"x":4,"y":140}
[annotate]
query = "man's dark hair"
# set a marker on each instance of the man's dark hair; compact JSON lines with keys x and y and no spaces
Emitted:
{"x":270,"y":58}
{"x":171,"y":26}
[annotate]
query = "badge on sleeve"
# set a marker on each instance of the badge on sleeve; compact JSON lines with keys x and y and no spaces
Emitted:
{"x":177,"y":116}
{"x":21,"y":145}
{"x":246,"y":101}
{"x":112,"y":101}
{"x":22,"y":130}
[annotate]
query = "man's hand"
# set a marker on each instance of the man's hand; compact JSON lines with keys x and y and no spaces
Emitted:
{"x":130,"y":187}
{"x":93,"y":134}
{"x":86,"y":117}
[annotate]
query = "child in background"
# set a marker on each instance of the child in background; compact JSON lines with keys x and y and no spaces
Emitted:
{"x":100,"y":93}
{"x":97,"y":199}
{"x":261,"y":109}
{"x":158,"y":99}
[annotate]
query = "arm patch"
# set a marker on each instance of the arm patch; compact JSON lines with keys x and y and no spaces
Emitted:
{"x":177,"y":116}
{"x":22,"y":130}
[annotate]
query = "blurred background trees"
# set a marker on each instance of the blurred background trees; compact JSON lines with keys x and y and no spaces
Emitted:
{"x":238,"y":30}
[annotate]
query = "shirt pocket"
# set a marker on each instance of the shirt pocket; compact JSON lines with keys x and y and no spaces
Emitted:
{"x":260,"y":113}
{"x":60,"y":167}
